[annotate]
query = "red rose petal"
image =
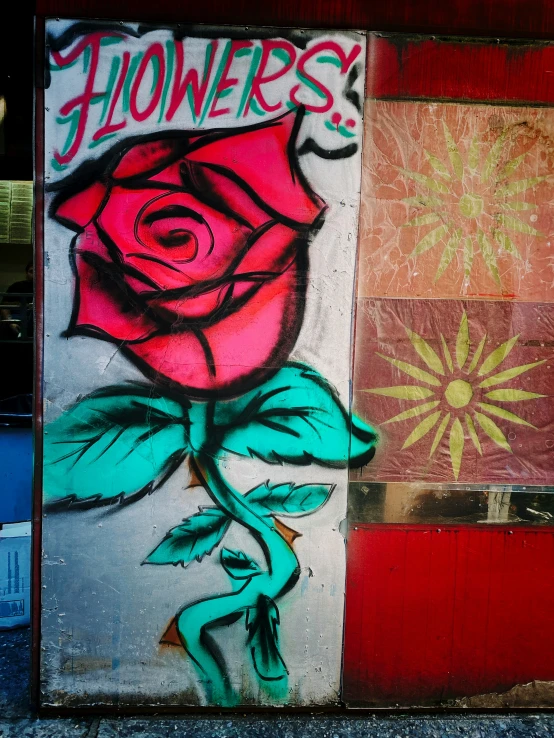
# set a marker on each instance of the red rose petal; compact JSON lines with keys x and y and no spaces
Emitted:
{"x":125,"y":220}
{"x":260,"y":158}
{"x":170,"y":175}
{"x":147,"y":157}
{"x":199,"y":306}
{"x":78,"y":210}
{"x":103,"y":305}
{"x":272,"y":251}
{"x":224,"y":194}
{"x":242,"y":348}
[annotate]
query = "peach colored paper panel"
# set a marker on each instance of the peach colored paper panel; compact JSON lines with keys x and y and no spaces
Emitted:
{"x":457,"y":201}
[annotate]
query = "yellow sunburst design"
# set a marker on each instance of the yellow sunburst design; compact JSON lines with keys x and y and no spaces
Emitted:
{"x":471,"y":209}
{"x":457,"y":392}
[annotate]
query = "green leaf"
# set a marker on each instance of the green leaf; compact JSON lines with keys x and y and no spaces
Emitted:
{"x":412,"y":371}
{"x":518,"y":205}
{"x":362,"y":442}
{"x":493,"y":431}
{"x":488,"y":255}
{"x":500,"y":412}
{"x":296,"y":417}
{"x":493,"y":157}
{"x":447,"y":356}
{"x":421,"y":220}
{"x":239,"y":565}
{"x":437,"y":165}
{"x":497,"y":356}
{"x":512,"y":395}
{"x":289,"y":499}
{"x":515,"y":188}
{"x":512,"y":165}
{"x":462,"y":342}
{"x":477,"y":354}
{"x":515,"y":224}
{"x":195,"y":538}
{"x":448,"y":252}
{"x":453,"y":153}
{"x":428,"y":354}
{"x":429,"y":182}
{"x":506,"y":243}
{"x":117,"y":444}
{"x":262,"y":624}
{"x":421,"y":429}
{"x":456,"y":447}
{"x":507,"y":374}
{"x":439,"y":434}
{"x":402,"y":392}
{"x":413,"y":412}
{"x":468,"y":257}
{"x":473,"y":154}
{"x":430,"y":240}
{"x":473,"y":433}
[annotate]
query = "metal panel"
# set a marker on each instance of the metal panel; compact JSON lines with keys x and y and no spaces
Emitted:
{"x":439,"y":614}
{"x":202,"y":201}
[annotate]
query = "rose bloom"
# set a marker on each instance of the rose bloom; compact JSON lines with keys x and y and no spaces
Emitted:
{"x":191,"y":253}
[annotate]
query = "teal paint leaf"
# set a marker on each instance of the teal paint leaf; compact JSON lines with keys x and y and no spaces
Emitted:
{"x":195,"y":538}
{"x":297,"y":418}
{"x":262,"y":624}
{"x":289,"y":499}
{"x":363,"y":440}
{"x":239,"y":565}
{"x":115,"y":445}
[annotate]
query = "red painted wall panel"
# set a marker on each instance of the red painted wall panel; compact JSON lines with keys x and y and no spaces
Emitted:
{"x":403,"y":67}
{"x":504,"y":18}
{"x":433,"y":614}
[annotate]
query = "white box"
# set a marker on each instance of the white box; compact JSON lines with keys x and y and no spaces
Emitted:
{"x":15,"y":575}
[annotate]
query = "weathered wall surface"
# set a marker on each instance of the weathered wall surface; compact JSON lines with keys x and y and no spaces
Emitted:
{"x":203,"y":191}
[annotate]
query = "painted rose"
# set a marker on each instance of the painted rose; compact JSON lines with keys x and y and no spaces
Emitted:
{"x":191,"y":253}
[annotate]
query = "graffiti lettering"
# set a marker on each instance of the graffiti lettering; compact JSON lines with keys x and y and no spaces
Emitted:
{"x":236,"y":78}
{"x":190,"y":85}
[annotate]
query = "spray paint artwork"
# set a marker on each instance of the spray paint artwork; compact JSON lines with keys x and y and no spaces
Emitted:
{"x":190,"y":254}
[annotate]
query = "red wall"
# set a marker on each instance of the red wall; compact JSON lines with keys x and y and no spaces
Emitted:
{"x":433,"y":614}
{"x":505,"y":18}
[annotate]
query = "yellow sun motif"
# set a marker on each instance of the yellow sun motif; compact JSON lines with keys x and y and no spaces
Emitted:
{"x":473,"y":210}
{"x":457,"y":393}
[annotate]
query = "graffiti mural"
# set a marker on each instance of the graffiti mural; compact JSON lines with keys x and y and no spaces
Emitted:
{"x":187,"y":245}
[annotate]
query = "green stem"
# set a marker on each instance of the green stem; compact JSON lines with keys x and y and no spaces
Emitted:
{"x":194,"y":620}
